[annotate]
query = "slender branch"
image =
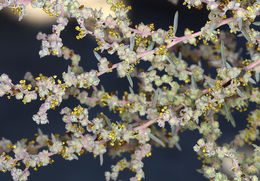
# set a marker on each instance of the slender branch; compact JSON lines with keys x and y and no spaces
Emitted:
{"x":147,"y":124}
{"x":180,"y":39}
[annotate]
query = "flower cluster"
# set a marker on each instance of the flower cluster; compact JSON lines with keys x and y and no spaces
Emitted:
{"x":171,"y":93}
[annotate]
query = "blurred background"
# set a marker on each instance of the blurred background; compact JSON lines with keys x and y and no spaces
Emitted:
{"x":19,"y":54}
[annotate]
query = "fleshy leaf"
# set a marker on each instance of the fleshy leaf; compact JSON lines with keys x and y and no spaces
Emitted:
{"x":131,"y":90}
{"x":252,"y":80}
{"x":40,"y":132}
{"x":256,"y":147}
{"x":199,"y":63}
{"x":243,"y":30}
{"x":178,"y":146}
{"x":107,"y":121}
{"x":132,"y":43}
{"x":102,"y":88}
{"x":69,"y":70}
{"x":257,"y":23}
{"x":98,"y":57}
{"x":180,"y":56}
{"x":193,"y":83}
{"x":173,"y":128}
{"x":169,"y":60}
{"x":130,"y":80}
{"x":199,"y":171}
{"x":240,"y":23}
{"x":101,"y":159}
{"x":229,"y":115}
{"x":175,"y":22}
{"x":150,"y":47}
{"x":157,"y":140}
{"x":209,"y":111}
{"x":257,"y":76}
{"x":223,"y":56}
{"x":239,"y":92}
{"x":150,"y":68}
{"x":228,"y":65}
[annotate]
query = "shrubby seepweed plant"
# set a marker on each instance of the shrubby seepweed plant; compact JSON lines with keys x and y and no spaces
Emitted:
{"x":173,"y":95}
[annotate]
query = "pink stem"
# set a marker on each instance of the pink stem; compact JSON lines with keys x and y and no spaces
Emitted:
{"x":180,"y":39}
{"x":250,"y":66}
{"x":147,"y":124}
{"x":132,"y":29}
{"x":254,"y":64}
{"x":119,"y":101}
{"x":23,"y":2}
{"x":113,"y":67}
{"x":62,"y":7}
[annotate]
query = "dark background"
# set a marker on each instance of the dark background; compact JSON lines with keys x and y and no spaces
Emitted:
{"x":19,"y":54}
